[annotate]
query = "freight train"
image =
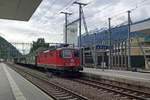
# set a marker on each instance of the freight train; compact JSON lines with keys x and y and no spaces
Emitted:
{"x":61,"y":57}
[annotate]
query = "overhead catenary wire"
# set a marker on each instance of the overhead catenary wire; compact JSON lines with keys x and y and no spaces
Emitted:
{"x":106,"y":7}
{"x":67,"y":7}
{"x":69,"y":4}
{"x":120,"y":13}
{"x":117,"y":16}
{"x":103,"y":9}
{"x":51,"y":6}
{"x":64,"y":7}
{"x":53,"y":16}
{"x":88,"y":3}
{"x":139,"y":4}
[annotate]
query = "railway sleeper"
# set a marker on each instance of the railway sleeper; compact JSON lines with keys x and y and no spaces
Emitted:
{"x":74,"y":99}
{"x":61,"y":95}
{"x":65,"y":98}
{"x":58,"y":93}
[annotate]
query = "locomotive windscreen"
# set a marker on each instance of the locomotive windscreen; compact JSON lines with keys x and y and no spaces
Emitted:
{"x":67,"y":53}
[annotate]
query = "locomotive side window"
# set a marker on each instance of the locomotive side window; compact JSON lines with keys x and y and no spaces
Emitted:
{"x":66,"y":54}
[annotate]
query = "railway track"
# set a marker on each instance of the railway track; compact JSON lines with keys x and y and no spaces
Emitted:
{"x":117,"y":90}
{"x":107,"y":87}
{"x":55,"y":91}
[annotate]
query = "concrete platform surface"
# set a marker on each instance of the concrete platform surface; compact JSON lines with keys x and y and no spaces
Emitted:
{"x":14,"y":87}
{"x":137,"y":78}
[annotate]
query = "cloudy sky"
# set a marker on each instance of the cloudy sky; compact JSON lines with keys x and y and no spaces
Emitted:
{"x":47,"y":22}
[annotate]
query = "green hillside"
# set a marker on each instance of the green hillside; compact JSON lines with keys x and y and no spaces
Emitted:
{"x":7,"y":50}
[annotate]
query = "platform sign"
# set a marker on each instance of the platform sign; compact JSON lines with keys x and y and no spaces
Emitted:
{"x":104,"y":47}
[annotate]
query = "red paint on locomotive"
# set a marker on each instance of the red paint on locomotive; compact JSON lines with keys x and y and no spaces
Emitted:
{"x":61,"y":58}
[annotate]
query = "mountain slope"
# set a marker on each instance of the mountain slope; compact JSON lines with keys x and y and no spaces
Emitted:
{"x":7,"y":50}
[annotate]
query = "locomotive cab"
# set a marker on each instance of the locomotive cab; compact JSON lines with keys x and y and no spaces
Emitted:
{"x":71,"y":60}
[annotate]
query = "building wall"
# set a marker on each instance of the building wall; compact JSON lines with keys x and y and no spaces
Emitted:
{"x":119,"y":34}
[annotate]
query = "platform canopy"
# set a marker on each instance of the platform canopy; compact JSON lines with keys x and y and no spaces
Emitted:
{"x":142,"y":26}
{"x":18,"y":9}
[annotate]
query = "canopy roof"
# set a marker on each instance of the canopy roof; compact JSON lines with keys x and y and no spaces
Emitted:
{"x":18,"y":9}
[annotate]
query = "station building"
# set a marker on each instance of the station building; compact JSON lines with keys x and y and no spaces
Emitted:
{"x":96,"y":53}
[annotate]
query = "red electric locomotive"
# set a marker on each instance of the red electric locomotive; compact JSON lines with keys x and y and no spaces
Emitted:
{"x":62,"y":59}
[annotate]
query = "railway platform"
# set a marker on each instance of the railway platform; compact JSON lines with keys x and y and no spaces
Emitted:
{"x":129,"y":77}
{"x":14,"y":87}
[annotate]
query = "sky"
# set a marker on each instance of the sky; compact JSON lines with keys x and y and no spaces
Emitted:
{"x":47,"y":22}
